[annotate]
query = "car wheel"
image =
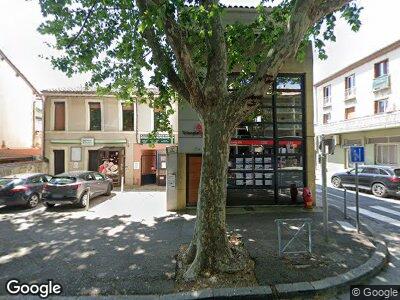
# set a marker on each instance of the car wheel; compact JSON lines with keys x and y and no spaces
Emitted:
{"x":49,"y":205}
{"x":33,"y":201}
{"x":84,"y":200}
{"x":336,"y":182}
{"x":379,"y":190}
{"x":108,"y":193}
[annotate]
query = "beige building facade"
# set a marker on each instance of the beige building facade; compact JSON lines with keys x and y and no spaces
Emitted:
{"x":83,"y":129}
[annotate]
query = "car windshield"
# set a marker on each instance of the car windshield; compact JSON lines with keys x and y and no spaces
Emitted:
{"x":62,"y":180}
{"x":397,"y":172}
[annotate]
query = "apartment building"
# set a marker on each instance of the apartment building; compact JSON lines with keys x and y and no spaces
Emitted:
{"x":85,"y":131}
{"x":360,"y":105}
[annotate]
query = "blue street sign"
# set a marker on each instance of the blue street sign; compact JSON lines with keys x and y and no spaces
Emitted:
{"x":357,"y":154}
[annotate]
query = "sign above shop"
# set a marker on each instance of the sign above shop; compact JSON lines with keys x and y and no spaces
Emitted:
{"x":241,"y":142}
{"x":197,"y":130}
{"x":87,"y":141}
{"x":252,"y":142}
{"x":160,"y":139}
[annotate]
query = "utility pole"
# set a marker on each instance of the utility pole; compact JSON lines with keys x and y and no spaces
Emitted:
{"x":324,"y":191}
{"x":357,"y":202}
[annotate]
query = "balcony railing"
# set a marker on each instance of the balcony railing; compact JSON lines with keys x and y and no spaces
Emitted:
{"x":350,"y":93}
{"x":327,"y":101}
{"x":381,"y":82}
{"x":382,"y":121}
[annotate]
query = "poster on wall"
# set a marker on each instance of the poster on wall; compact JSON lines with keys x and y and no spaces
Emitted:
{"x":136,"y":165}
{"x":171,"y":181}
{"x":76,"y":154}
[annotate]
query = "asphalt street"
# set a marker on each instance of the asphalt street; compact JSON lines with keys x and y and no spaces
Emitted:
{"x":382,"y":215}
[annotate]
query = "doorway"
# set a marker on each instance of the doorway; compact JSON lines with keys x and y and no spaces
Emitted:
{"x":93,"y":160}
{"x":149,"y":167}
{"x":193,"y":167}
{"x":59,"y":161}
{"x":115,"y":158}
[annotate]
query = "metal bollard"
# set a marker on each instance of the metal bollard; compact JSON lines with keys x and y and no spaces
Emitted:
{"x":345,"y":203}
{"x":122,"y":183}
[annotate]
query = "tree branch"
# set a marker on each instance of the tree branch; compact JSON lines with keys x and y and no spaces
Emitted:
{"x":183,"y":56}
{"x":161,"y":58}
{"x":304,"y":15}
{"x":191,"y":83}
{"x":90,"y":12}
{"x":217,"y":61}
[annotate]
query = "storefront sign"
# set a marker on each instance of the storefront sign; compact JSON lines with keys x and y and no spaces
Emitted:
{"x":252,"y":142}
{"x":197,"y":130}
{"x":161,"y":139}
{"x":240,"y":142}
{"x":87,"y":142}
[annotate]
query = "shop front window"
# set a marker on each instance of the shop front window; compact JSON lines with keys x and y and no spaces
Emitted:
{"x":267,"y":151}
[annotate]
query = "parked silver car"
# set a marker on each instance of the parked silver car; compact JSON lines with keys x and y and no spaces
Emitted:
{"x":76,"y":187}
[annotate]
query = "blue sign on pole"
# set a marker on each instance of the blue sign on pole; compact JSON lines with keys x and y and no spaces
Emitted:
{"x":357,"y":154}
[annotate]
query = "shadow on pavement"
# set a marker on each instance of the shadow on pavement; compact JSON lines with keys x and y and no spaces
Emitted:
{"x":89,"y":255}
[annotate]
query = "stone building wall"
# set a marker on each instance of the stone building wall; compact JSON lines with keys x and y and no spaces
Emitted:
{"x":23,"y":167}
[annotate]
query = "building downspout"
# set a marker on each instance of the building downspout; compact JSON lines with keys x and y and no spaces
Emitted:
{"x":137,"y":121}
{"x":43,"y":125}
{"x":33,"y":124}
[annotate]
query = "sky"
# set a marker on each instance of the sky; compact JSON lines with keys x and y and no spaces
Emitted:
{"x":21,"y":42}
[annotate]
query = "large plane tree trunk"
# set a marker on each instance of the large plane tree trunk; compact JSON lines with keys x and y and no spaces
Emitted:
{"x":210,"y":251}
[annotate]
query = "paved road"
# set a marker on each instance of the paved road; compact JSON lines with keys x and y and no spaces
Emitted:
{"x":383,"y":216}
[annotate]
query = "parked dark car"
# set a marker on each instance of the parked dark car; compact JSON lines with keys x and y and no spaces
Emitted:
{"x":382,"y":181}
{"x":76,"y":187}
{"x":22,"y":189}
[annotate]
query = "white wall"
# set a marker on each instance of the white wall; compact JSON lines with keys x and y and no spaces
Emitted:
{"x":16,"y":109}
{"x":365,"y":97}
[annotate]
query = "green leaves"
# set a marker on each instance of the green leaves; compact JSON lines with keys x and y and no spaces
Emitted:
{"x":324,"y":29}
{"x":107,"y":38}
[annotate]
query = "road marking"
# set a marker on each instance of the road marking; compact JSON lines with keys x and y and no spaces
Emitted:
{"x":333,"y":195}
{"x":346,"y":226}
{"x":390,"y":211}
{"x":366,"y":195}
{"x":376,"y":216}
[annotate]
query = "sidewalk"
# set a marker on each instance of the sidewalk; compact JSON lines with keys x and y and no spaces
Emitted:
{"x":343,"y":252}
{"x":121,"y":246}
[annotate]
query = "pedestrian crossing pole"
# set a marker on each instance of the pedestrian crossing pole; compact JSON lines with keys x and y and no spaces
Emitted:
{"x":357,"y":202}
{"x":324,"y":191}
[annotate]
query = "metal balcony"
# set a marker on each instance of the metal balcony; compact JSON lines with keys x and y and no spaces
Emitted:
{"x":380,"y":83}
{"x":327,"y":101}
{"x":382,"y":121}
{"x":349,"y":93}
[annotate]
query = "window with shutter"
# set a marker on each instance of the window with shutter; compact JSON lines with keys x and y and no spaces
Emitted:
{"x":128,"y":117}
{"x":95,"y":116}
{"x":349,"y":113}
{"x":381,"y":68}
{"x":59,"y":116}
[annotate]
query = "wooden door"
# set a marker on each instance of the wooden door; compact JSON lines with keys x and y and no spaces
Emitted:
{"x":59,"y":161}
{"x":193,"y":178}
{"x":94,"y":160}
